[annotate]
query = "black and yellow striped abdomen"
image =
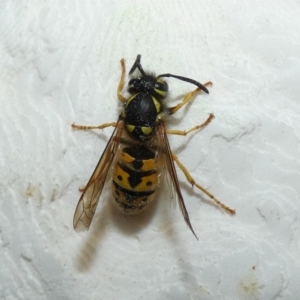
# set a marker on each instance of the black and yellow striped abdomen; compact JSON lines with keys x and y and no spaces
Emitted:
{"x":135,"y":178}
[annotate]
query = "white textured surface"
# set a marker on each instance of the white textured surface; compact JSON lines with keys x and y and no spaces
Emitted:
{"x":60,"y":64}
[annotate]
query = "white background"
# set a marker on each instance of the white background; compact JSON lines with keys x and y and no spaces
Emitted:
{"x":60,"y":64}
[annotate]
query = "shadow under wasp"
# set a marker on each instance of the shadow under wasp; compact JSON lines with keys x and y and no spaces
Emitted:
{"x":138,"y":151}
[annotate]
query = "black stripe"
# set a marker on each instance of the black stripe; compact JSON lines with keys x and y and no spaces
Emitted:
{"x":135,"y":178}
{"x":132,"y":195}
{"x":139,"y":152}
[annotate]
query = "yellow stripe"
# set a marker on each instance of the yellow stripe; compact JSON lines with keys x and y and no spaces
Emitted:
{"x":148,"y":183}
{"x":148,"y":164}
{"x":156,"y":104}
{"x":127,"y":158}
{"x":129,"y":127}
{"x":146,"y":130}
{"x":130,"y":99}
{"x":160,"y":92}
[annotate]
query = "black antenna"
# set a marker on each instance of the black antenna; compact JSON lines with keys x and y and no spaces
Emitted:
{"x":137,"y":64}
{"x":198,"y":84}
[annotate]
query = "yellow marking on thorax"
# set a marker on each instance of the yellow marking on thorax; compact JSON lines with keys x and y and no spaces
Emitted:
{"x":156,"y":103}
{"x":129,"y":127}
{"x":146,"y":130}
{"x":160,"y":92}
{"x":130,"y":99}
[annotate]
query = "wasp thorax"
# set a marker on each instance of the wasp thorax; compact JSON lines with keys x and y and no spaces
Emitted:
{"x":140,"y":114}
{"x":148,"y":84}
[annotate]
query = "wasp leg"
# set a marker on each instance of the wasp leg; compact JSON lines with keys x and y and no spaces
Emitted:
{"x":122,"y":81}
{"x":185,"y":132}
{"x":191,"y":180}
{"x":186,"y":99}
{"x":102,"y":126}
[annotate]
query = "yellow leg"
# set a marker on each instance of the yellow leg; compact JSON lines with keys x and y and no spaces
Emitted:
{"x":185,"y":132}
{"x":186,"y":99}
{"x":122,"y":81}
{"x":102,"y":126}
{"x":193,"y":182}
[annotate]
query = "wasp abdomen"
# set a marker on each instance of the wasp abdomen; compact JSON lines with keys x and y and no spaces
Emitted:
{"x":135,"y":178}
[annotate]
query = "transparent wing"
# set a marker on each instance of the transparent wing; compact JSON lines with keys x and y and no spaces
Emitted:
{"x":89,"y":199}
{"x":169,"y":164}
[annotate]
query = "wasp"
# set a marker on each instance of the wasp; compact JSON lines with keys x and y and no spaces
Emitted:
{"x":138,"y":151}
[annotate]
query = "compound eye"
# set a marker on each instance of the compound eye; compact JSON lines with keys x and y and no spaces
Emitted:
{"x":161,"y":85}
{"x":131,"y":81}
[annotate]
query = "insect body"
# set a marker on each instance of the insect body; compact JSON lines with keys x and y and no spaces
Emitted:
{"x":138,"y":149}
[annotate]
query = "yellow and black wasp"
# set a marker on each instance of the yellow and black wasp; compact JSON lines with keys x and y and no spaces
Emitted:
{"x":138,"y":151}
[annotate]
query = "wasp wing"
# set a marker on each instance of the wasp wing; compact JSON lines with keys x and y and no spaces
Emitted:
{"x":89,"y":199}
{"x":169,"y":164}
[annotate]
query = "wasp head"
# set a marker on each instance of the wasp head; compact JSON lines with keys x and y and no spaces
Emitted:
{"x":156,"y":87}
